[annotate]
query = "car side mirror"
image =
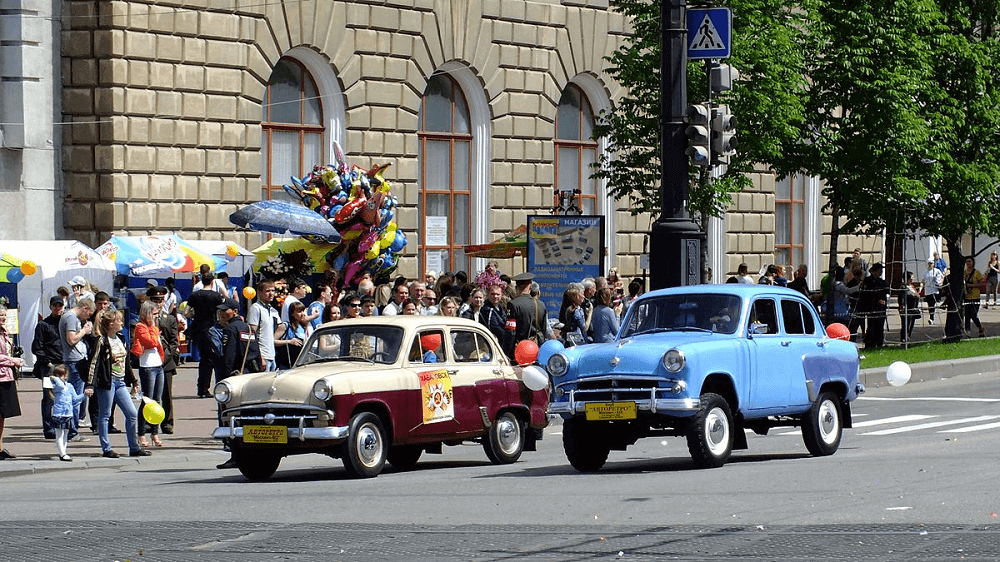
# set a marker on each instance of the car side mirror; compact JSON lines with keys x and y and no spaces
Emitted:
{"x":758,"y":328}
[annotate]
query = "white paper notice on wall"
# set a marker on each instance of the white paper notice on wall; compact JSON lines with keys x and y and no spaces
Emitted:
{"x":434,"y":261}
{"x":436,"y":231}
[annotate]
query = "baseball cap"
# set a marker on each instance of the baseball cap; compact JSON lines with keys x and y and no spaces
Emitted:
{"x":229,"y":304}
{"x":77,"y":281}
{"x":56,"y":300}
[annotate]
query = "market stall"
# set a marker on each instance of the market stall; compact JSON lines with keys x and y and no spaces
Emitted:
{"x":56,"y":262}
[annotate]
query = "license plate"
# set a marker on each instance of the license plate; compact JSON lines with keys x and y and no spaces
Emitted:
{"x":603,"y":411}
{"x":265,"y":434}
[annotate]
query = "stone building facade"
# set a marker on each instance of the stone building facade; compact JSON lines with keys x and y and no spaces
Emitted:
{"x":167,"y":125}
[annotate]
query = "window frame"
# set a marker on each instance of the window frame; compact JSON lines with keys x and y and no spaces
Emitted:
{"x":579,"y":145}
{"x":423,"y":136}
{"x":268,"y":128}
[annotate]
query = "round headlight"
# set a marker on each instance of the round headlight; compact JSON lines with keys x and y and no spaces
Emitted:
{"x":674,"y":361}
{"x":557,"y":365}
{"x":223,"y":392}
{"x":322,"y":390}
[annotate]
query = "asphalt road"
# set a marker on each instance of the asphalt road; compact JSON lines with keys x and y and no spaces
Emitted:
{"x":914,"y":480}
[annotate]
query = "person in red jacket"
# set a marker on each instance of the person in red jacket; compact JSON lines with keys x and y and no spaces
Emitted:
{"x":147,"y":347}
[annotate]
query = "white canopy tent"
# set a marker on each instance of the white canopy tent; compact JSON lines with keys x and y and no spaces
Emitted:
{"x":57,"y":261}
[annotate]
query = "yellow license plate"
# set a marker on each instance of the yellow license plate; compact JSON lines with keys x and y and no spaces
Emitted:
{"x":265,"y":434}
{"x":603,"y":411}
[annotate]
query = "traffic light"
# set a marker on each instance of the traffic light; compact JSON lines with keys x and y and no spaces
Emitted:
{"x":723,"y":135}
{"x":699,"y":137}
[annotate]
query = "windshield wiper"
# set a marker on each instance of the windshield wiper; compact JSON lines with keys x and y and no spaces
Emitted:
{"x":671,"y":329}
{"x":344,"y":358}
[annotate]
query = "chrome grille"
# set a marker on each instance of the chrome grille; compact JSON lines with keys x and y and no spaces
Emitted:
{"x":622,"y":387}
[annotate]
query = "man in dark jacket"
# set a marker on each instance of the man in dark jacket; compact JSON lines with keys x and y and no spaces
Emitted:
{"x":528,"y":313}
{"x":240,"y":352}
{"x":167,"y":322}
{"x":48,"y":352}
{"x":204,"y":300}
{"x":873,"y":301}
{"x":494,"y":316}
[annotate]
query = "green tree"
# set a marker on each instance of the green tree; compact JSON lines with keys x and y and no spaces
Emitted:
{"x":962,"y":170}
{"x":766,"y":101}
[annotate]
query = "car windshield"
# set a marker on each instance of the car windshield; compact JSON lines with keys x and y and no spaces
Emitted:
{"x":372,"y":344}
{"x":693,"y":312}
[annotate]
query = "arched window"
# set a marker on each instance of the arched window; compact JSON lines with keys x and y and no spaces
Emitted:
{"x":575,"y":150}
{"x":292,"y":126}
{"x":445,"y":176}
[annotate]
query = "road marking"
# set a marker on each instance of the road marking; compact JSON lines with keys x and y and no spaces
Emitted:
{"x":929,"y":399}
{"x":972,"y":428}
{"x":930,"y":425}
{"x":897,"y":419}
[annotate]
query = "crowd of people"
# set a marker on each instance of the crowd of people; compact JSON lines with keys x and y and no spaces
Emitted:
{"x":862,"y":297}
{"x":88,"y":370}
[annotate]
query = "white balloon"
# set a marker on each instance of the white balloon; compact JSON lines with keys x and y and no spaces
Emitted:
{"x":534,"y":377}
{"x":898,"y":373}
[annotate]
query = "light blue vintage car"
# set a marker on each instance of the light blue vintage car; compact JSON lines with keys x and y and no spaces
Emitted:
{"x":705,"y":362}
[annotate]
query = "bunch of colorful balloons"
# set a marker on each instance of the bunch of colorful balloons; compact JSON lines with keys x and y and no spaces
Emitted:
{"x":358,"y":203}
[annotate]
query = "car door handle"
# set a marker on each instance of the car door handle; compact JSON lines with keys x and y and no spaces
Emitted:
{"x":452,"y":372}
{"x":498,"y":371}
{"x":785,"y":343}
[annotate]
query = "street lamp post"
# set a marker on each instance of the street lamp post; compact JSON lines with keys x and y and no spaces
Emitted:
{"x":675,"y":240}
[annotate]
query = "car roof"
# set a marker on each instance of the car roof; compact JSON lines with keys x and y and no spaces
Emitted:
{"x":406,"y":322}
{"x":737,"y":289}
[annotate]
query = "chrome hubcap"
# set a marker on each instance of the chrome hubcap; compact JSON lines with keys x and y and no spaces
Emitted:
{"x":369,"y":445}
{"x":716,"y":431}
{"x":828,"y":422}
{"x":508,"y":435}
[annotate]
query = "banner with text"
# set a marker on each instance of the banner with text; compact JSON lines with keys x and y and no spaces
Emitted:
{"x":564,"y":249}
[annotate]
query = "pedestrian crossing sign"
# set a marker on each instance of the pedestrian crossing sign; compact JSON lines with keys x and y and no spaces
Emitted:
{"x":710,"y":33}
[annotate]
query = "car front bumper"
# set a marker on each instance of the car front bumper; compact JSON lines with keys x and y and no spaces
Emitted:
{"x":299,"y":420}
{"x":666,"y":406}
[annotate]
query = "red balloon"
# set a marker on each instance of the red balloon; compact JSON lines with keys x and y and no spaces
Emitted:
{"x":526,"y":352}
{"x":838,"y":331}
{"x":430,"y":342}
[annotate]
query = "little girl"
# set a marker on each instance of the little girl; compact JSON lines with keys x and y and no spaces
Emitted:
{"x":64,"y":400}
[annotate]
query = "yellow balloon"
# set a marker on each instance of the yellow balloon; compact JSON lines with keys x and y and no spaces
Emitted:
{"x":249,"y":292}
{"x":388,"y":236}
{"x":373,"y":252}
{"x":152,"y":411}
{"x":351,"y":234}
{"x":232,"y":250}
{"x":29,"y":268}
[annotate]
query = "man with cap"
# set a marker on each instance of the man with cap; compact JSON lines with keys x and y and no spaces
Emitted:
{"x":528,"y":314}
{"x":873,"y":301}
{"x":79,"y":287}
{"x":48,"y":352}
{"x":240,"y":351}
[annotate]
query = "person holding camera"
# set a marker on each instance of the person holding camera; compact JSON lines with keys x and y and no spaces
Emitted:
{"x":10,"y":366}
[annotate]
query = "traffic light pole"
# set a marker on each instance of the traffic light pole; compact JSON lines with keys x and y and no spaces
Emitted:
{"x":675,"y":240}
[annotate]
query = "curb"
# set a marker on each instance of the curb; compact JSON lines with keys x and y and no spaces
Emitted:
{"x":935,"y":370}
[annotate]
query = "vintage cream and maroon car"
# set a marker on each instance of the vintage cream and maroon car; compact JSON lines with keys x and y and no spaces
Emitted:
{"x":371,"y":390}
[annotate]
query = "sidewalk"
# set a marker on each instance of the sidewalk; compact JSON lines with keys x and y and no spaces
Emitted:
{"x":194,"y":420}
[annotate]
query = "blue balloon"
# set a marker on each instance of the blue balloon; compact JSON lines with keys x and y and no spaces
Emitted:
{"x":340,"y":262}
{"x":548,"y":349}
{"x":399,"y":242}
{"x":15,"y":274}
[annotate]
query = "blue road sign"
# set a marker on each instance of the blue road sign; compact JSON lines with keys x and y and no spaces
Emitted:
{"x":710,"y":33}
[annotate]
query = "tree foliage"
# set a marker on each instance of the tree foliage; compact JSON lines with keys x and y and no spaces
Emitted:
{"x":767,"y":34}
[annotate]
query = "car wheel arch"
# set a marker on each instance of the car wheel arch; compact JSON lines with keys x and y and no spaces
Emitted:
{"x":840,"y":389}
{"x":722,"y":384}
{"x":380,"y":410}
